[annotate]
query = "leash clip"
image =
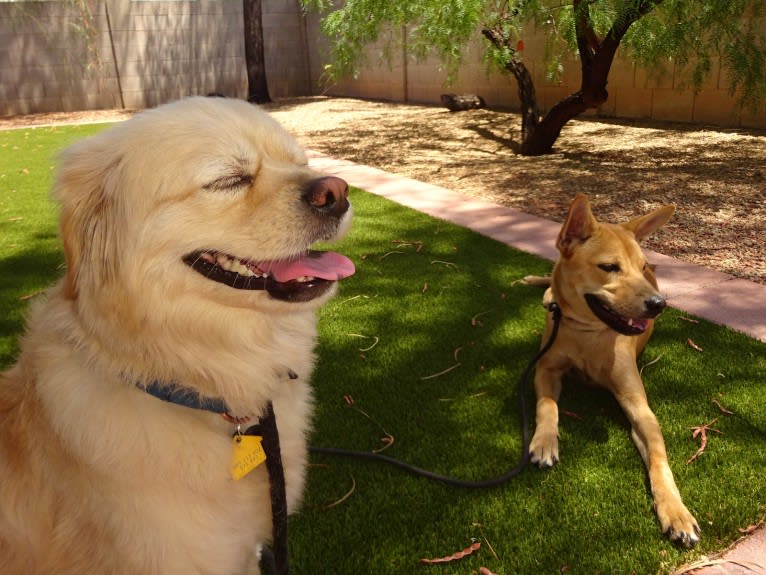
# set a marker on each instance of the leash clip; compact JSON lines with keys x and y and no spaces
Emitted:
{"x":555,"y":309}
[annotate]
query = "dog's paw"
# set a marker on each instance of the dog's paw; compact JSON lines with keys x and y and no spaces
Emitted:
{"x":544,"y":449}
{"x":679,"y":525}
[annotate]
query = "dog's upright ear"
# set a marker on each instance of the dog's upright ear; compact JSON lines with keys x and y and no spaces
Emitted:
{"x":644,"y":226}
{"x":87,"y":220}
{"x":578,"y":227}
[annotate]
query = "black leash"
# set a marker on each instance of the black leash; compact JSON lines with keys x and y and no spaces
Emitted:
{"x":274,"y":560}
{"x":486,"y":483}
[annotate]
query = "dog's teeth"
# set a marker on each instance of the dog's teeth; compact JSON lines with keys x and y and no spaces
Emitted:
{"x":245,"y":271}
{"x":232,"y":265}
{"x":236,"y":266}
{"x":223,"y":261}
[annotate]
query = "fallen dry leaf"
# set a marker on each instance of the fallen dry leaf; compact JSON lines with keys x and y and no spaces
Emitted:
{"x":749,"y":529}
{"x":418,"y":244}
{"x":701,"y":432}
{"x":384,"y":256}
{"x":475,"y":321}
{"x":693,"y":345}
{"x":722,"y":408}
{"x":443,"y":372}
{"x":31,"y":295}
{"x":472,"y":548}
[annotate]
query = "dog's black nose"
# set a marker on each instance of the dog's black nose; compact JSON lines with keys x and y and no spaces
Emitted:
{"x":328,"y":195}
{"x":654,"y":305}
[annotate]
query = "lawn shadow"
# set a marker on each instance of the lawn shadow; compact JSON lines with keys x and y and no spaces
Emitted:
{"x":22,"y":276}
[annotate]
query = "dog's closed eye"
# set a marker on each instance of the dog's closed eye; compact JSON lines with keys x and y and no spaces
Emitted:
{"x":230,"y":182}
{"x":611,"y":268}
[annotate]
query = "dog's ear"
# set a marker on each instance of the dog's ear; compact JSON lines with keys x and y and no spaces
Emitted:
{"x":644,"y":226}
{"x":88,"y":219}
{"x":578,"y":227}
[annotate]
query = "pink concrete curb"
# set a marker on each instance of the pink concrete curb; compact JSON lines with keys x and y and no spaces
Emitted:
{"x":712,"y":295}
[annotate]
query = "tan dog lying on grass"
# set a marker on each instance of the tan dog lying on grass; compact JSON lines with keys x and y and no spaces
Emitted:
{"x":187,"y":234}
{"x":608,"y":298}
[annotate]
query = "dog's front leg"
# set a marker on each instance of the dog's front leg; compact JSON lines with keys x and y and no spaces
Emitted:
{"x":676,"y":520}
{"x":544,"y":447}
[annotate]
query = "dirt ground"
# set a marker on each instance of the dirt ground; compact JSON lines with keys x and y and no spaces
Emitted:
{"x":716,"y":177}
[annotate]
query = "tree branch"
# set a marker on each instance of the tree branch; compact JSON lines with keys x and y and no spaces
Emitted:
{"x":587,"y":40}
{"x":594,"y":83}
{"x":631,"y":12}
{"x":587,"y":43}
{"x":530,"y":113}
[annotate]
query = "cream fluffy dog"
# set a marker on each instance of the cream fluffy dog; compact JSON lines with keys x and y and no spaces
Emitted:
{"x":186,"y":232}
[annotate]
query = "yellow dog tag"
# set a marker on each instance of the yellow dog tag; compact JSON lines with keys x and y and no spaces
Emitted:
{"x":248,"y":454}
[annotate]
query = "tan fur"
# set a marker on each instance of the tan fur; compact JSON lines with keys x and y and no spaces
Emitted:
{"x":97,"y":476}
{"x":605,"y":356}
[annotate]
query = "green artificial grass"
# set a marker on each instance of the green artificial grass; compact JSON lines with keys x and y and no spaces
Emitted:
{"x":30,"y":250}
{"x":419,"y":355}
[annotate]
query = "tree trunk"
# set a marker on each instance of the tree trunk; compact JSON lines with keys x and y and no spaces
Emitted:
{"x":257,"y":86}
{"x":530,"y":113}
{"x":540,"y":141}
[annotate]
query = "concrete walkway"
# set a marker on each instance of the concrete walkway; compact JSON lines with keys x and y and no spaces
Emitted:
{"x":712,"y":295}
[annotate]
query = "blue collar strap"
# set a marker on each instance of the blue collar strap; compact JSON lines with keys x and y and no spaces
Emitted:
{"x":185,"y":396}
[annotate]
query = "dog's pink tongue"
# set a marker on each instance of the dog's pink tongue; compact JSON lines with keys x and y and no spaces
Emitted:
{"x":642,"y":324}
{"x":324,"y":265}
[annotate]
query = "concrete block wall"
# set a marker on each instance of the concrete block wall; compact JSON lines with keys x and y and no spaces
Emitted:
{"x":45,"y":64}
{"x":286,"y":49}
{"x":166,"y":50}
{"x":140,"y":53}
